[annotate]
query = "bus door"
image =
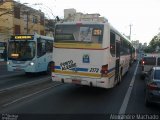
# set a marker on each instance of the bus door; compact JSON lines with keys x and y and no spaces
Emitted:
{"x":117,"y":64}
{"x":41,"y":51}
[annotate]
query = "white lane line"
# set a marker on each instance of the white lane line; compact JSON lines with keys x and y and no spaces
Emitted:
{"x":25,"y":84}
{"x":11,"y":74}
{"x":24,"y":97}
{"x":127,"y":96}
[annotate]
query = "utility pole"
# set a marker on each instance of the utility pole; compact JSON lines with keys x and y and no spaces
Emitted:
{"x":130,"y":31}
{"x":27,"y":21}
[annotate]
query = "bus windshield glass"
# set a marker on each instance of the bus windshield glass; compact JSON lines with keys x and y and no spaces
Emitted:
{"x":79,"y":33}
{"x":21,"y":50}
{"x":2,"y":45}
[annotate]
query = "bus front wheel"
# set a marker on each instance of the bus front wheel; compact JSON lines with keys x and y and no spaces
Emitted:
{"x":49,"y":68}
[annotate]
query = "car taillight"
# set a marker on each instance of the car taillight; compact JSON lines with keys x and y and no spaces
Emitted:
{"x":104,"y":70}
{"x":143,"y":62}
{"x":152,"y":86}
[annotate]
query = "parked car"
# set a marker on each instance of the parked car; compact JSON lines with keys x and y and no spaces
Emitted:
{"x":152,"y":88}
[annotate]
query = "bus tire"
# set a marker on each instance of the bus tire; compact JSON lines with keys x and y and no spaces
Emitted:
{"x":120,"y":77}
{"x":49,"y":69}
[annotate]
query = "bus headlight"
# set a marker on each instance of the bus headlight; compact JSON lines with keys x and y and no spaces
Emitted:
{"x":31,"y":63}
{"x":8,"y":63}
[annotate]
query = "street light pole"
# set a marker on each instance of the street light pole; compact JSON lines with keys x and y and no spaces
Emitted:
{"x":27,"y":15}
{"x":130,"y":31}
{"x":27,"y":22}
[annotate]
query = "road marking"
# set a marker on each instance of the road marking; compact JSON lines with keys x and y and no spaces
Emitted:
{"x":127,"y":96}
{"x":26,"y":84}
{"x":11,"y":74}
{"x":24,"y":97}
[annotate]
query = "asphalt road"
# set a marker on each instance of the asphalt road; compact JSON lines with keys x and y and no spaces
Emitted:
{"x":136,"y":103}
{"x":73,"y":99}
{"x":4,"y":72}
{"x":3,"y":68}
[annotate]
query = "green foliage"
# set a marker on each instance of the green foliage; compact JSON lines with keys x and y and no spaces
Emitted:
{"x":153,"y":45}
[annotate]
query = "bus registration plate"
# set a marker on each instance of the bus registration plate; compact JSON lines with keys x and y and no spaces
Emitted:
{"x":76,"y":80}
{"x":17,"y":69}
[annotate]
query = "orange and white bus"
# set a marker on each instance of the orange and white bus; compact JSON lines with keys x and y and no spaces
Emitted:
{"x":90,"y":53}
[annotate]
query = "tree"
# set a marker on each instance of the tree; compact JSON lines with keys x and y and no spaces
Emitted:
{"x":154,"y":43}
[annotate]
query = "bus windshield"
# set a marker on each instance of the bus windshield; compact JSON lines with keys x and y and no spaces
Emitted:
{"x":21,"y":50}
{"x":2,"y":45}
{"x":79,"y":33}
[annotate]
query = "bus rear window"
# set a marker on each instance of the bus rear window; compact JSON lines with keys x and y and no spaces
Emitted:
{"x":149,"y":61}
{"x":79,"y":33}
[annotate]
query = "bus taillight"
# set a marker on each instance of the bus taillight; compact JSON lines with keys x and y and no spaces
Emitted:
{"x":104,"y":70}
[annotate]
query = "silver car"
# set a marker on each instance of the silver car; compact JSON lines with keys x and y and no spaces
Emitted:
{"x":152,"y":90}
{"x":147,"y":63}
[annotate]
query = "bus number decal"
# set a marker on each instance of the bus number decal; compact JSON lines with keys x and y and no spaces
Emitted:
{"x":67,"y":65}
{"x":94,"y":70}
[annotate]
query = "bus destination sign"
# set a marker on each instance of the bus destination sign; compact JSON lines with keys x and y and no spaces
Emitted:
{"x":22,"y":37}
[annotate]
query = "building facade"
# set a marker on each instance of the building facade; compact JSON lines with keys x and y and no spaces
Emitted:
{"x":17,"y":18}
{"x":72,"y":15}
{"x":49,"y":27}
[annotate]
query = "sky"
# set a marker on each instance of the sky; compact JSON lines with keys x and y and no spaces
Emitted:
{"x":142,"y":15}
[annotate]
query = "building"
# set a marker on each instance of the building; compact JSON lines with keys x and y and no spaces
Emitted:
{"x":145,"y":45}
{"x":72,"y":15}
{"x":17,"y":18}
{"x":49,"y":27}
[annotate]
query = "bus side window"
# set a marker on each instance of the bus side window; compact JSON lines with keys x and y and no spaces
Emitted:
{"x":41,"y":48}
{"x":112,"y":43}
{"x":49,"y":46}
{"x":121,"y":47}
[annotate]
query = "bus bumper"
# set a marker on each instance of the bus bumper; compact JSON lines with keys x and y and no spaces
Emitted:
{"x":93,"y":82}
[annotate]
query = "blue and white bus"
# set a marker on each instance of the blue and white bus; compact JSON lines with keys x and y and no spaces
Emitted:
{"x":30,"y":53}
{"x":3,"y":51}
